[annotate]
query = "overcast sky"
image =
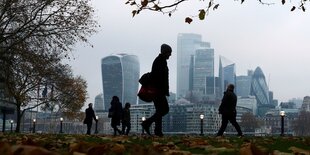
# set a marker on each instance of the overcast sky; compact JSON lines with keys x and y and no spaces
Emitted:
{"x":249,"y":35}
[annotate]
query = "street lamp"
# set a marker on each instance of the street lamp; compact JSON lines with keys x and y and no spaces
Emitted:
{"x":143,"y":119}
{"x":34,"y":126}
{"x":201,"y":124}
{"x":61,"y":120}
{"x":282,"y":114}
{"x":96,"y":129}
{"x":12,"y":125}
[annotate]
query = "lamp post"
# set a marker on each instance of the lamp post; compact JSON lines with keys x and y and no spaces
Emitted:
{"x":61,"y":120}
{"x":96,"y":127}
{"x":34,"y":126}
{"x":12,"y":125}
{"x":282,"y":114}
{"x":201,"y":124}
{"x":143,"y":119}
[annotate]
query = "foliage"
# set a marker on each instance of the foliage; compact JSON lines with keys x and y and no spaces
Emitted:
{"x":169,"y":7}
{"x":46,"y":26}
{"x":249,"y":122}
{"x":35,"y":36}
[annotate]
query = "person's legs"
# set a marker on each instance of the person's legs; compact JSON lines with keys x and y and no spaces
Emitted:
{"x":128,"y":128}
{"x":123,"y":127}
{"x":223,"y":126}
{"x":162,"y":108}
{"x":88,"y":128}
{"x":236,"y":125}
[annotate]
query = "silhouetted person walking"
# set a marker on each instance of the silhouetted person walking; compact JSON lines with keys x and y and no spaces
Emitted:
{"x":228,"y":110}
{"x":89,"y":116}
{"x":160,"y":80}
{"x":116,"y":111}
{"x":126,"y":119}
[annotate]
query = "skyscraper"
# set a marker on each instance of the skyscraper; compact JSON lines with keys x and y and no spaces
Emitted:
{"x":120,"y":75}
{"x":227,"y":73}
{"x":243,"y":85}
{"x":203,"y":77}
{"x":259,"y":87}
{"x":187,"y":44}
{"x":99,"y":105}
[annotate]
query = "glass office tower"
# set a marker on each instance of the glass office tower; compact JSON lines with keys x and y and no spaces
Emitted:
{"x":259,"y":87}
{"x":187,"y":44}
{"x":120,"y":76}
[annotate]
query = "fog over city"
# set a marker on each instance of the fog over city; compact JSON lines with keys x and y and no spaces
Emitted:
{"x":250,"y":35}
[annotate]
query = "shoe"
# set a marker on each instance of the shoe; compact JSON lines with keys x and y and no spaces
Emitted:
{"x":240,"y":136}
{"x":146,"y":128}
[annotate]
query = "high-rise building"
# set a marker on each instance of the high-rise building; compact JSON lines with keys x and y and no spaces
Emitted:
{"x":120,"y":76}
{"x":306,"y":104}
{"x":203,"y":75}
{"x":259,"y":87}
{"x":227,"y":73}
{"x":99,"y":105}
{"x":187,"y":44}
{"x":243,"y":85}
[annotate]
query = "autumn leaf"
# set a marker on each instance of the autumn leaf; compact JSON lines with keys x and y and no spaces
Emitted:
{"x":303,"y":8}
{"x":188,"y":20}
{"x":134,"y":12}
{"x":293,"y":8}
{"x":216,"y":6}
{"x":144,"y":3}
{"x":202,"y":14}
{"x":210,"y":4}
{"x":283,"y":2}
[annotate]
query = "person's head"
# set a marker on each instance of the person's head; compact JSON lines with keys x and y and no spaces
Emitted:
{"x":230,"y":87}
{"x":127,"y":105}
{"x":90,"y":105}
{"x":115,"y":98}
{"x":165,"y":50}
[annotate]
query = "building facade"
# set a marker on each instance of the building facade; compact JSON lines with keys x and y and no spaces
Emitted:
{"x":187,"y":44}
{"x":259,"y":87}
{"x":120,"y":76}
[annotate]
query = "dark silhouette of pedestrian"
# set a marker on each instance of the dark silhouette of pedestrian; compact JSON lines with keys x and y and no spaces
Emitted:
{"x":116,"y":112}
{"x":126,"y":119}
{"x":89,"y":116}
{"x":160,"y":80}
{"x":228,"y":110}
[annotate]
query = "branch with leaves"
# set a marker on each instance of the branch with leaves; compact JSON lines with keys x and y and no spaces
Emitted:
{"x":206,"y":6}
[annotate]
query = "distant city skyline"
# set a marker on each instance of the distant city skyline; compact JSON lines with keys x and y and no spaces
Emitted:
{"x":250,"y":35}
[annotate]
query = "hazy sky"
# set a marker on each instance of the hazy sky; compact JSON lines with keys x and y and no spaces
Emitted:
{"x":250,"y":35}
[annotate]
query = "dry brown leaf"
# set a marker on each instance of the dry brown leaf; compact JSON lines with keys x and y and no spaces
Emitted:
{"x":5,"y":149}
{"x":31,"y":150}
{"x":99,"y":149}
{"x":299,"y":150}
{"x":118,"y":148}
{"x":246,"y":149}
{"x":79,"y":147}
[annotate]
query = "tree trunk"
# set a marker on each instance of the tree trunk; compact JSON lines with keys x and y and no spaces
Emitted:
{"x":19,"y":116}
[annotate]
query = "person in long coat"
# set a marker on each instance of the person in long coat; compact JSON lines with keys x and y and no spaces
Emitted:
{"x":89,"y":116}
{"x":228,"y":110}
{"x":116,"y":110}
{"x":160,"y":80}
